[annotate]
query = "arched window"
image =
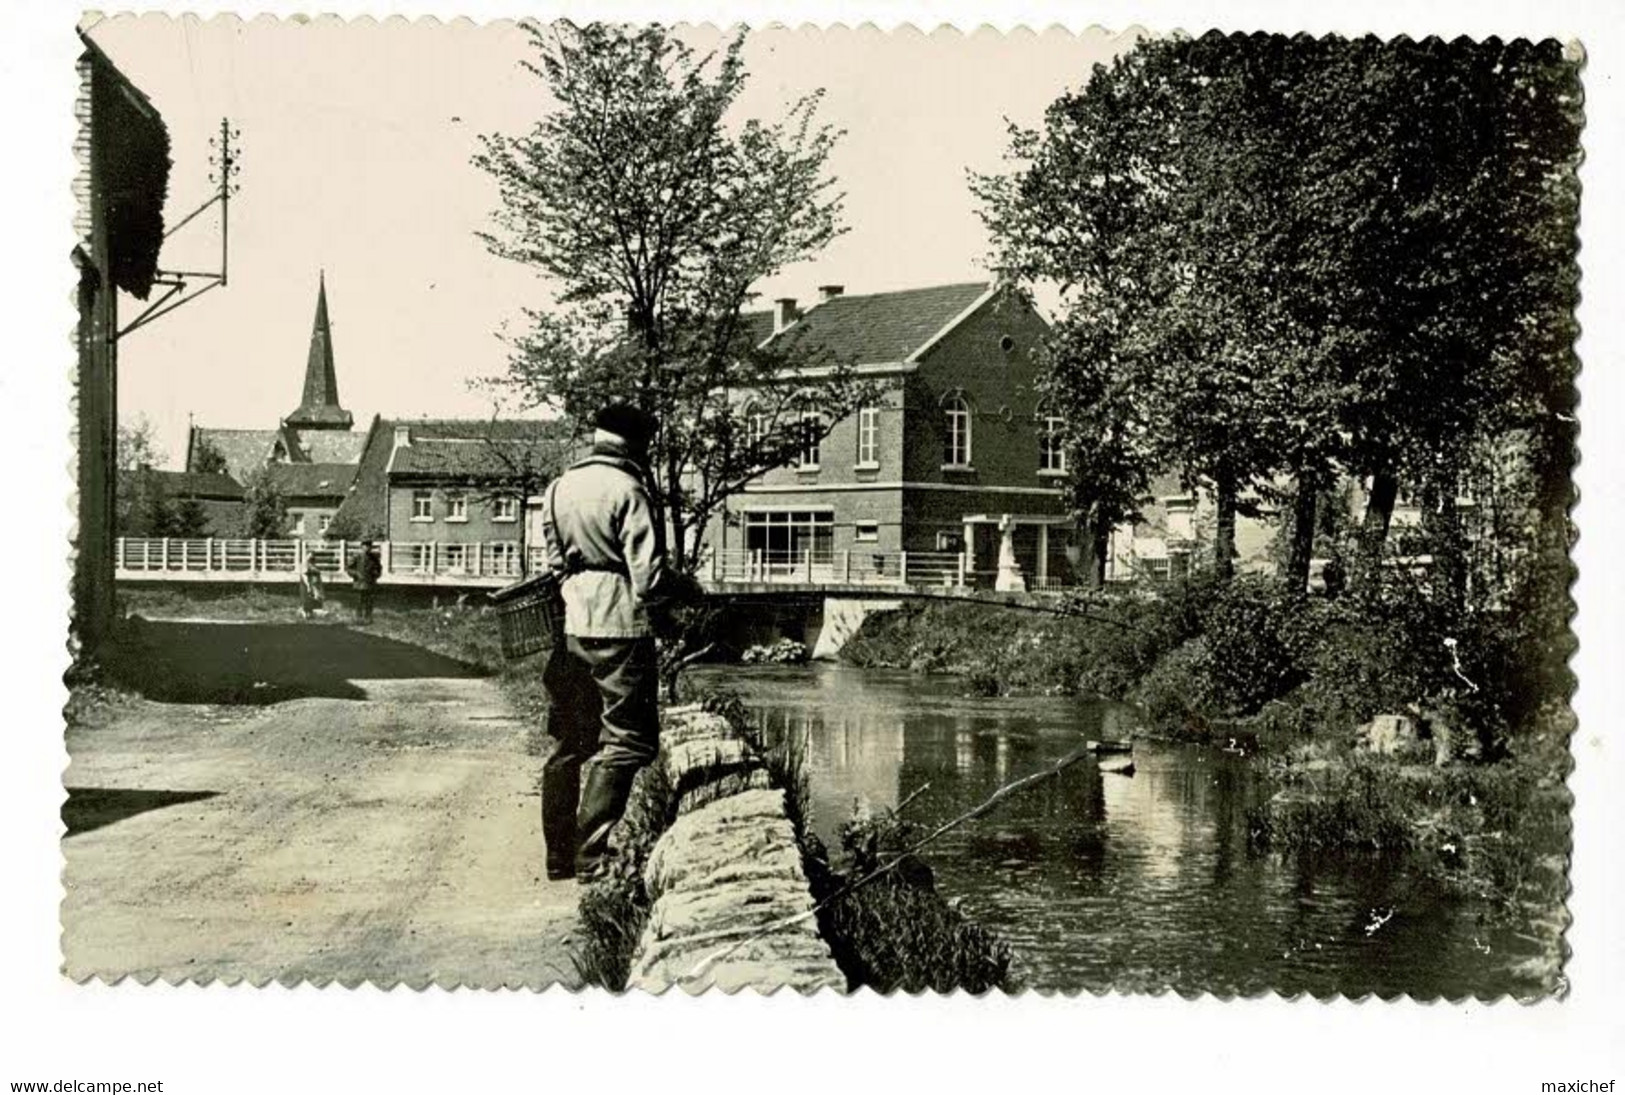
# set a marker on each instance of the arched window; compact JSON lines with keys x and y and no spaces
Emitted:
{"x":1051,"y":449}
{"x":956,"y":451}
{"x":756,"y":426}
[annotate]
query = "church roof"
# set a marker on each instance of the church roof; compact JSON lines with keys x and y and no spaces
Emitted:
{"x":244,"y":451}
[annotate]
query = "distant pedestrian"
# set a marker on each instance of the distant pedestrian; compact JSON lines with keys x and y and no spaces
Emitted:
{"x":312,"y":595}
{"x":365,"y":569}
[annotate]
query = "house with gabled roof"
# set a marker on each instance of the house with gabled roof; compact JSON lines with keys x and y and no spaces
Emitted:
{"x":956,"y":457}
{"x":452,"y":496}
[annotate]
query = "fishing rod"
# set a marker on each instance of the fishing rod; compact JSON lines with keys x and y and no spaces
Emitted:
{"x":754,"y":935}
{"x":1032,"y":606}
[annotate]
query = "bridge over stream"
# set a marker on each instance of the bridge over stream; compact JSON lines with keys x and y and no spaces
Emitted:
{"x":819,"y":600}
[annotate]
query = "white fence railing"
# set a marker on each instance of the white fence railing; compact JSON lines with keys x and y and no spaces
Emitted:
{"x":497,"y":562}
{"x":853,"y":567}
{"x":491,"y":562}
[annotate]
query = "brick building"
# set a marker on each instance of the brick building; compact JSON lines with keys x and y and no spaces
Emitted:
{"x":956,"y":450}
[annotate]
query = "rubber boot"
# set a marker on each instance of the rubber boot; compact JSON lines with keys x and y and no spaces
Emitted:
{"x":603,"y":800}
{"x":561,"y":793}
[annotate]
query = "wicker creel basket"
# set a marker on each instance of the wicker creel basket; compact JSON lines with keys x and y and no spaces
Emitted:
{"x":530,"y":615}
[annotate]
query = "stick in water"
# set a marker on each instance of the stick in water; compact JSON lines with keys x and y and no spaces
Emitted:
{"x":987,"y":804}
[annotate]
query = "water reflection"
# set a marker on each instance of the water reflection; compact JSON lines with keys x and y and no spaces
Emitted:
{"x":1103,"y":880}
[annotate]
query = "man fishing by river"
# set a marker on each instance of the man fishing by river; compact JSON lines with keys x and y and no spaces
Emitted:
{"x":604,"y":540}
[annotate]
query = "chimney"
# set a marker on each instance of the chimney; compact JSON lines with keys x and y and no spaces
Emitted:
{"x":828,"y":293}
{"x":403,"y":437}
{"x":784,"y":313}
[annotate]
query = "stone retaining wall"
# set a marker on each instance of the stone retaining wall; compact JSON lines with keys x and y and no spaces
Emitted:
{"x":729,"y":866}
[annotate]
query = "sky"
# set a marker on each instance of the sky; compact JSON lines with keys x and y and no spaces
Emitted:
{"x":355,"y":153}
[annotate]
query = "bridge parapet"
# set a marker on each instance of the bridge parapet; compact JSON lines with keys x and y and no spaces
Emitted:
{"x":493,"y":564}
{"x":483,"y":564}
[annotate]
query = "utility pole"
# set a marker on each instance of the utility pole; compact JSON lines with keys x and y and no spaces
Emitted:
{"x":227,"y":163}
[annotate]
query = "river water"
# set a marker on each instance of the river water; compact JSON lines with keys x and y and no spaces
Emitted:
{"x":1100,"y":881}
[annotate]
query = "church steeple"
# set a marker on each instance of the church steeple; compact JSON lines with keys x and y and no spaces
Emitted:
{"x":319,"y":408}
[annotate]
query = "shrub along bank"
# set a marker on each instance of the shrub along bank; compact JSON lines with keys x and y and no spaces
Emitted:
{"x":1206,"y":659}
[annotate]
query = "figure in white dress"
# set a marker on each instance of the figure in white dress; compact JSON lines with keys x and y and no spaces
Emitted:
{"x":1009,"y":579}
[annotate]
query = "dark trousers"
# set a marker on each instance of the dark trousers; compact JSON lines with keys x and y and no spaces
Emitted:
{"x":363,"y":603}
{"x":603,"y":708}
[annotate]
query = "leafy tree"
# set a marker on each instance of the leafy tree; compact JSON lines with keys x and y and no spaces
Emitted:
{"x":154,"y":508}
{"x":137,"y":449}
{"x":265,"y":511}
{"x":1452,"y":168}
{"x":654,"y":215}
{"x":188,"y":519}
{"x":1147,"y":224}
{"x":1108,"y":466}
{"x":1298,"y":258}
{"x":208,"y":459}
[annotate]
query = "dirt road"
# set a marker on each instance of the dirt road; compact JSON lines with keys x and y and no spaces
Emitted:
{"x":346,"y":808}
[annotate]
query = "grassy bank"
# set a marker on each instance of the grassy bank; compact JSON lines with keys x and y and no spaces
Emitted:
{"x":1242,"y":658}
{"x":1006,"y":651}
{"x":1497,"y":832}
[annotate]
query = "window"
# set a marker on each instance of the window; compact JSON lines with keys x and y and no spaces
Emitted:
{"x":298,"y":524}
{"x":866,"y":532}
{"x":503,"y":559}
{"x":868,"y":431}
{"x":956,"y":442}
{"x":323,"y":522}
{"x":811,"y":427}
{"x":456,"y":506}
{"x":1051,"y":450}
{"x":419,"y":557}
{"x":780,"y":541}
{"x":422,"y":505}
{"x":1181,"y":513}
{"x":504,"y":507}
{"x":455,"y":558}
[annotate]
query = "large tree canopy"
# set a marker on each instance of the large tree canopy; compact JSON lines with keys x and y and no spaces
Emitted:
{"x":1287,"y":258}
{"x":654,"y":215}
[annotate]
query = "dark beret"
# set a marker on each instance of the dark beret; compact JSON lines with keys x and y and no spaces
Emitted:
{"x":626,"y":420}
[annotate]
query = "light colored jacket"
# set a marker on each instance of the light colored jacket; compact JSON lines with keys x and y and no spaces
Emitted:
{"x":601,"y":536}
